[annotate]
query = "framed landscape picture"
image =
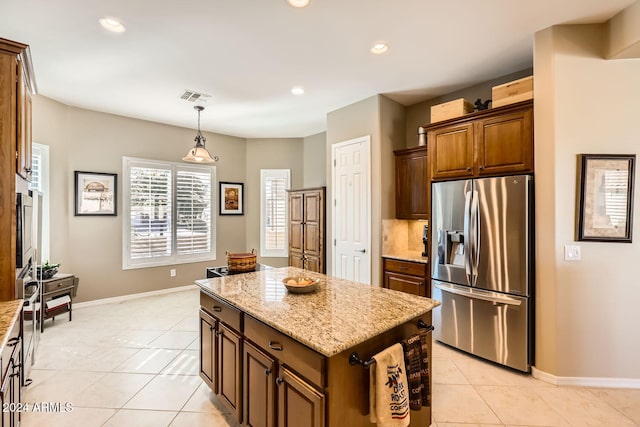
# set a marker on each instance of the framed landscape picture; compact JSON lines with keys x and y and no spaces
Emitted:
{"x":96,"y":193}
{"x":231,"y":198}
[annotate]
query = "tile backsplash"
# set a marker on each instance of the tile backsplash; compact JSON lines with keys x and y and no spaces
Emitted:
{"x":399,"y":235}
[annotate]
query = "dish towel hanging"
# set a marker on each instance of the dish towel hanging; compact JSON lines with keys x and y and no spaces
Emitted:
{"x":388,"y":391}
{"x":413,"y":363}
{"x":424,"y":368}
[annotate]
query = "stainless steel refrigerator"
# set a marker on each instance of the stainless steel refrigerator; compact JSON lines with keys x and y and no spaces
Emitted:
{"x":482,"y":267}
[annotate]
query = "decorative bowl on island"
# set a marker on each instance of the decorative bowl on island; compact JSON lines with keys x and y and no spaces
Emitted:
{"x":301,"y":285}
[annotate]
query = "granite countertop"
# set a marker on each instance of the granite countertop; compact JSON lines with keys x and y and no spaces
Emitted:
{"x":340,"y":315}
{"x":9,"y":314}
{"x":414,"y":256}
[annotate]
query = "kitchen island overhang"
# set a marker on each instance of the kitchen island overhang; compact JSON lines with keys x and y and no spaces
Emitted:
{"x":309,"y":336}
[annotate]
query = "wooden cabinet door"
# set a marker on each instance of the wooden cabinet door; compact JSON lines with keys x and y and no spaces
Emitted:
{"x":312,"y":263}
{"x":313,"y":219}
{"x":259,"y":388}
{"x":5,"y":394}
{"x":299,"y":404}
{"x":505,"y":143}
{"x":412,"y":184}
{"x":208,"y":363}
{"x":230,"y":370}
{"x":451,"y":151}
{"x":296,"y":259}
{"x":401,"y":282}
{"x":296,"y":222}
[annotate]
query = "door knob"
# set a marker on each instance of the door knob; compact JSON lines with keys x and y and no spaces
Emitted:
{"x":361,"y":250}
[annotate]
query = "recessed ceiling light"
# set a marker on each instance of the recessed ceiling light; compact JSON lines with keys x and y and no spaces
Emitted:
{"x":379,"y":47}
{"x":299,"y":3}
{"x":112,"y":24}
{"x":297,"y":90}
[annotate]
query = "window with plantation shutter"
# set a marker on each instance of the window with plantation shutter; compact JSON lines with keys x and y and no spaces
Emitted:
{"x":168,"y":213}
{"x":274,"y":184}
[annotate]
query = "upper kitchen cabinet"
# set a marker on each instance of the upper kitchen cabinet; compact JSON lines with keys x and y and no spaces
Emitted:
{"x":492,"y":142}
{"x":306,"y":229}
{"x":412,"y":201}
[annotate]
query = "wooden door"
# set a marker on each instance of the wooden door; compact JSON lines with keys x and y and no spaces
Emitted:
{"x":401,"y":282}
{"x":313,"y":219}
{"x":230,"y":370}
{"x":299,"y":404}
{"x":296,"y":222}
{"x":259,"y":388}
{"x":296,"y":259}
{"x":313,"y":263}
{"x":411,"y":184}
{"x":208,"y":363}
{"x":505,"y":143}
{"x":451,"y":151}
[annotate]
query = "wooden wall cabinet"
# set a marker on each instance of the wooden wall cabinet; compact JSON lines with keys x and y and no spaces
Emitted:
{"x":412,"y":186}
{"x":406,"y":276}
{"x":307,"y":229}
{"x":16,"y":86}
{"x":498,"y":141}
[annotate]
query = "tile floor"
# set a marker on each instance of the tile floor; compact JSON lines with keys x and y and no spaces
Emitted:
{"x":135,"y":363}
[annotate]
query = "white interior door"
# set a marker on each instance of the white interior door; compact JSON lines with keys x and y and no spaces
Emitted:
{"x":352,"y":209}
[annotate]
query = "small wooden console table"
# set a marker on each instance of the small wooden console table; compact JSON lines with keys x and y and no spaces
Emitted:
{"x":56,"y":295}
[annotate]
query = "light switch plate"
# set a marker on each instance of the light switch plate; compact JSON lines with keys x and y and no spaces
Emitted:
{"x":572,"y":253}
{"x":172,"y":272}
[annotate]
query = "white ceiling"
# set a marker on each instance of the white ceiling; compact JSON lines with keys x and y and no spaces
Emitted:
{"x":249,"y":54}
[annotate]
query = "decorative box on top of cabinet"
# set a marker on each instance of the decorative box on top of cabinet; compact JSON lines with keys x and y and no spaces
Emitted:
{"x":412,"y":186}
{"x":498,"y":141}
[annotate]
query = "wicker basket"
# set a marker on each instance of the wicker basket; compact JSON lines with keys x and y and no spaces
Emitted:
{"x":241,"y":262}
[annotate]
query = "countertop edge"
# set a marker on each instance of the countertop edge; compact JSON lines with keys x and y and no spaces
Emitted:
{"x":407,"y":257}
{"x":9,"y":315}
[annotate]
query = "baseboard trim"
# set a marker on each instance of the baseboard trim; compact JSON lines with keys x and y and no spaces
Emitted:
{"x":133,"y":296}
{"x":586,"y":381}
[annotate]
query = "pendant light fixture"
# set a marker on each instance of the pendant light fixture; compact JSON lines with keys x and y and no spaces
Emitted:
{"x":199,"y":153}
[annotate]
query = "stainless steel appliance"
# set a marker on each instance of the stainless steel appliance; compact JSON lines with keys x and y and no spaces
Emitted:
{"x":24,"y":229}
{"x":482,"y":267}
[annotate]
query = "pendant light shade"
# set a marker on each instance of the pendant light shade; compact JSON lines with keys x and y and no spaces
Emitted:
{"x":199,"y":153}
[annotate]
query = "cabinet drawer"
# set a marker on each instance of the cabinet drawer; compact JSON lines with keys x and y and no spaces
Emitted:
{"x":222,"y":311}
{"x":298,"y":357}
{"x":12,"y":345}
{"x":405,"y":267}
{"x":56,"y":285}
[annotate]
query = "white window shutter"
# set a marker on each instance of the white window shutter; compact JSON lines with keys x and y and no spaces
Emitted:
{"x":274,"y":239}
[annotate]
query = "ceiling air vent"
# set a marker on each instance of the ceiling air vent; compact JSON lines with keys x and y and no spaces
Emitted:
{"x":193,"y":96}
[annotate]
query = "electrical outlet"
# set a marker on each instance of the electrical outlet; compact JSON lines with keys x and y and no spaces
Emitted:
{"x":172,"y":272}
{"x":572,"y":253}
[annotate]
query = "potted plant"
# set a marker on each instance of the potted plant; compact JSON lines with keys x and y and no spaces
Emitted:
{"x":46,"y":271}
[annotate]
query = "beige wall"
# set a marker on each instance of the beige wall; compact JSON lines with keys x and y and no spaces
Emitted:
{"x":285,"y":153}
{"x":587,"y":314}
{"x":91,"y":247}
{"x":315,"y":160}
{"x":420,"y":114}
{"x":622,"y":39}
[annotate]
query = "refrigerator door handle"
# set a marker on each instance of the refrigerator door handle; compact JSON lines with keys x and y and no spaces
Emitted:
{"x":474,"y":294}
{"x":467,"y":236}
{"x":474,"y":256}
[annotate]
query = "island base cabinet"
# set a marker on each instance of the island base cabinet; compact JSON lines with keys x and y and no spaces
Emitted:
{"x":208,"y":327}
{"x":229,"y":370}
{"x":259,"y":388}
{"x":299,"y":404}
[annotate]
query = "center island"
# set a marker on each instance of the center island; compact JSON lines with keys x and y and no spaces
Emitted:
{"x":276,"y":358}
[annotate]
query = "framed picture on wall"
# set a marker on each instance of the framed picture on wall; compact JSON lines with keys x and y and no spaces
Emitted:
{"x":605,"y":197}
{"x":231,"y":198}
{"x":96,"y":193}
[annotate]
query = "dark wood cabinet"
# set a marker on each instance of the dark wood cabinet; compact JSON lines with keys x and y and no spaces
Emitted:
{"x":491,"y":142}
{"x":299,"y":404}
{"x":406,"y":276}
{"x":11,"y":375}
{"x":412,"y":185}
{"x":307,"y":229}
{"x":16,"y":87}
{"x":230,"y":369}
{"x":259,"y":388}
{"x":208,"y":367}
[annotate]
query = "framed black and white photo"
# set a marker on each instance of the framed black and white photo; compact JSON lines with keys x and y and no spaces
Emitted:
{"x":96,"y":193}
{"x":231,"y":198}
{"x":605,"y":197}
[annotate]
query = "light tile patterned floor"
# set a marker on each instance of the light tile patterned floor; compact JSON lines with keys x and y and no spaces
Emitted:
{"x":135,"y":363}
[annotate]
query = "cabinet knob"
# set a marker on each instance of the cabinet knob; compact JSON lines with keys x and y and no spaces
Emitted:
{"x":279,"y":381}
{"x":217,"y":308}
{"x":274,"y":345}
{"x":481,"y":167}
{"x":218,"y":333}
{"x":267,"y":372}
{"x":468,"y":169}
